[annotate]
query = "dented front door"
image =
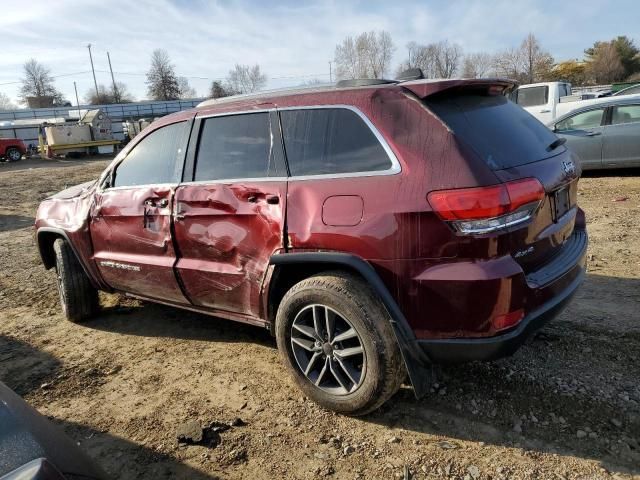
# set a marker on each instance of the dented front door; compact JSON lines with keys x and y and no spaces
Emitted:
{"x":226,"y":233}
{"x":131,"y":235}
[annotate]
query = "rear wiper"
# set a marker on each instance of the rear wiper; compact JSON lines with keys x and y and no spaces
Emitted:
{"x":556,"y":143}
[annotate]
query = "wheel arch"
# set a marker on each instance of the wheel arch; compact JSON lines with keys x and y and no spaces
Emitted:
{"x":46,"y":237}
{"x":290,"y":268}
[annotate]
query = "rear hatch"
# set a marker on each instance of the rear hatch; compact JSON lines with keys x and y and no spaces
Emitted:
{"x":516,"y":146}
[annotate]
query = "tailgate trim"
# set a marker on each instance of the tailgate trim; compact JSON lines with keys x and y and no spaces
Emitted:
{"x":561,"y":263}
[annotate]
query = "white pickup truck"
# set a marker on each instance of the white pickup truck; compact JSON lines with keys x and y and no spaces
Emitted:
{"x":541,"y":99}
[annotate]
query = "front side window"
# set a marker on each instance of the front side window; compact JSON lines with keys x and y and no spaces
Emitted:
{"x":157,"y":158}
{"x":581,"y":121}
{"x":235,"y":146}
{"x":532,"y":96}
{"x":330,"y":141}
{"x":625,"y":114}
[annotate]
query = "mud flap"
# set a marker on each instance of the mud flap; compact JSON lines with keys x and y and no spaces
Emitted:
{"x":419,"y":368}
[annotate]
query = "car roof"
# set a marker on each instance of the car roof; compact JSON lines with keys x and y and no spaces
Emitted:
{"x":328,"y":92}
{"x":600,"y":103}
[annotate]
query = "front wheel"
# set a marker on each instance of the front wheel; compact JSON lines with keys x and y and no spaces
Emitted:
{"x":79,"y":299}
{"x":336,"y":340}
{"x":13,"y":154}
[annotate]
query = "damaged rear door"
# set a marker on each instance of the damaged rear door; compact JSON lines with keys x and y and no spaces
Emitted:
{"x":229,"y":214}
{"x":131,"y":217}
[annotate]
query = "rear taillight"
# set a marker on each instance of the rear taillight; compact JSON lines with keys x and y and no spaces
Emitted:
{"x":487,"y":209}
{"x":508,"y":320}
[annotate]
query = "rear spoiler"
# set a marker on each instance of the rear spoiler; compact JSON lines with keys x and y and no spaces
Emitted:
{"x":426,"y":88}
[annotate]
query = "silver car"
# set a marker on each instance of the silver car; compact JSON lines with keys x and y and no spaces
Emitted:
{"x":604,"y":135}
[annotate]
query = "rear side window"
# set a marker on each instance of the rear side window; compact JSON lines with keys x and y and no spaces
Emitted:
{"x":330,"y":141}
{"x":532,"y":96}
{"x":157,"y":158}
{"x":234,"y":146}
{"x":581,"y":121}
{"x":501,"y":133}
{"x":625,"y":114}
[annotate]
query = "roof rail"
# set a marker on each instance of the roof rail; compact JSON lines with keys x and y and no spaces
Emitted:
{"x":363,"y":82}
{"x":266,"y":93}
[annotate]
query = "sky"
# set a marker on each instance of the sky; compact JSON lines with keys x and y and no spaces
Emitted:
{"x":292,"y":41}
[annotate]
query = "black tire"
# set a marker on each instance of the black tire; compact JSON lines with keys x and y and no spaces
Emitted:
{"x":13,"y":154}
{"x":343,"y":295}
{"x":79,"y":299}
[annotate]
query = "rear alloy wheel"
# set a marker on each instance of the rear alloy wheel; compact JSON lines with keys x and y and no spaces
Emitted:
{"x":328,"y":350}
{"x":336,"y":340}
{"x":13,"y":154}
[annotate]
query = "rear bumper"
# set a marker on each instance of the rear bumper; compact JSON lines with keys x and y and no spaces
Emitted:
{"x":459,"y":350}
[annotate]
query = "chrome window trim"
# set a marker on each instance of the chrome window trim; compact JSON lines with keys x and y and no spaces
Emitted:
{"x":129,"y":187}
{"x":239,"y":112}
{"x":236,"y":180}
{"x":395,"y":163}
{"x":394,"y":170}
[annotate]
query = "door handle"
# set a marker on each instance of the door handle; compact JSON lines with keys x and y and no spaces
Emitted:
{"x":252,"y":199}
{"x":592,"y":134}
{"x":161,"y":203}
{"x":273,"y":200}
{"x":545,"y":111}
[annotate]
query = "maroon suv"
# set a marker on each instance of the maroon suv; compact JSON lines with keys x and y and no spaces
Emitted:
{"x":375,"y":230}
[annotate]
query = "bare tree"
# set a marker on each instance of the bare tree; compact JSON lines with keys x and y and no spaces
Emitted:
{"x":528,"y":64}
{"x":6,"y":103}
{"x":604,"y":64}
{"x":537,"y":62}
{"x":245,"y":79}
{"x":436,"y":60}
{"x":448,"y":56}
{"x":477,"y":65}
{"x":186,"y":90}
{"x":108,"y":95}
{"x":37,"y":82}
{"x":218,"y":90}
{"x":162,"y":83}
{"x":366,"y":56}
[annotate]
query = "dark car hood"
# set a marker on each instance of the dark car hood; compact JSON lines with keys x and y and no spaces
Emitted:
{"x":74,"y":191}
{"x":26,"y":436}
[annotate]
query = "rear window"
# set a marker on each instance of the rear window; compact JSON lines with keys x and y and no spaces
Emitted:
{"x":501,"y":133}
{"x":532,"y":96}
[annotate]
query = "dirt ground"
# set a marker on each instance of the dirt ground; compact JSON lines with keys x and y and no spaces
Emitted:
{"x":566,"y":406}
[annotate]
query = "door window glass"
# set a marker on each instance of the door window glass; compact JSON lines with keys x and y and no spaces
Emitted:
{"x":235,"y":146}
{"x":157,"y":158}
{"x":625,"y":114}
{"x":330,"y":141}
{"x":581,"y":121}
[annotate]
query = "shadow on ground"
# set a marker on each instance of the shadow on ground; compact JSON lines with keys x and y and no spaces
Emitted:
{"x":23,"y":368}
{"x":614,"y":172}
{"x":14,"y":222}
{"x":123,"y":459}
{"x":154,"y":320}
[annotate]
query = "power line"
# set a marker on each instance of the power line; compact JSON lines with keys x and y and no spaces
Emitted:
{"x":52,"y":76}
{"x":287,"y":77}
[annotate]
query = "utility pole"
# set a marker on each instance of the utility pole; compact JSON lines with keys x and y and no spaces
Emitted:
{"x":77,"y":101}
{"x":94,"y":72}
{"x":330,"y":74}
{"x":116,"y":94}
